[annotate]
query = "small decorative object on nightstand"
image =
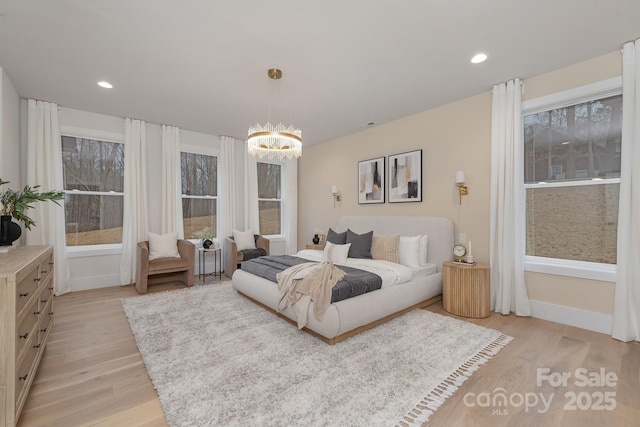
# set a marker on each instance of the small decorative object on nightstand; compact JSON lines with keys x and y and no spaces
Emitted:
{"x":459,"y":252}
{"x":315,"y":239}
{"x":466,"y":289}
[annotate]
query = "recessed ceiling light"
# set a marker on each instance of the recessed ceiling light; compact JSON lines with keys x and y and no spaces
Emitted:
{"x":105,"y":85}
{"x":478,"y":58}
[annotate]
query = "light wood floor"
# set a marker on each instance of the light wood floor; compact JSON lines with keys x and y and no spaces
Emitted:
{"x":92,"y":373}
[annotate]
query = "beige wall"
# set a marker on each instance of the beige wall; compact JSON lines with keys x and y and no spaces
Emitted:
{"x":447,"y":147}
{"x":453,"y":137}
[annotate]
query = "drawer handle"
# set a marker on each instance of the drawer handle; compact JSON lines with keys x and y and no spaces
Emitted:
{"x":24,"y":377}
{"x":43,"y":271}
{"x":37,"y":279}
{"x":43,"y":330}
{"x":51,"y":288}
{"x":36,"y":346}
{"x":43,"y":301}
{"x":51,"y":313}
{"x":24,"y":294}
{"x":51,"y":263}
{"x":24,"y":336}
{"x":36,"y":313}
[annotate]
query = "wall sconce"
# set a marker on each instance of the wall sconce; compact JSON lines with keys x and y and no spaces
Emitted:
{"x":460,"y":183}
{"x":336,"y":194}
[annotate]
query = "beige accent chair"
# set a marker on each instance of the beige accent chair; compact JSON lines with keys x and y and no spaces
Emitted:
{"x":163,"y":270}
{"x":233,"y":258}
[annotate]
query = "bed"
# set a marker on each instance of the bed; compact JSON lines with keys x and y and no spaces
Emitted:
{"x":348,"y":317}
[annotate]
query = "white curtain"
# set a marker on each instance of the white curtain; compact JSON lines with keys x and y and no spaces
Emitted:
{"x":251,"y":212}
{"x":506,"y":246}
{"x":171,"y":182}
{"x":135,"y":216}
{"x":626,"y":310}
{"x":44,"y":168}
{"x":290,"y":205}
{"x":227,"y":209}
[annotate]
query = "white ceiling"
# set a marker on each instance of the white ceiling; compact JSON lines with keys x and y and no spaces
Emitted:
{"x":202,"y":64}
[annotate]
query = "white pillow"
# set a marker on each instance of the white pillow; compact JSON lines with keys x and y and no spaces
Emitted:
{"x":244,"y":239}
{"x":409,"y":251}
{"x":339,"y":254}
{"x":163,"y":246}
{"x":424,"y":243}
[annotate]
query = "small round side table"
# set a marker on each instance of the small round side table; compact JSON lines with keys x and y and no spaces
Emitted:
{"x":466,"y":289}
{"x":217,"y":255}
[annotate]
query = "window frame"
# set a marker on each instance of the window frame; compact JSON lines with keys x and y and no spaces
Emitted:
{"x":557,"y":266}
{"x":205,"y":151}
{"x":281,"y":200}
{"x":80,"y":251}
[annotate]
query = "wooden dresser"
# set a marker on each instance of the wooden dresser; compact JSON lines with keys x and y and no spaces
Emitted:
{"x":26,"y":315}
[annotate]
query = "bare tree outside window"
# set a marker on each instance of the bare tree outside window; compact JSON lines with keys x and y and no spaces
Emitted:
{"x":270,"y":198}
{"x":199,"y":177}
{"x":572,"y":179}
{"x":93,"y":172}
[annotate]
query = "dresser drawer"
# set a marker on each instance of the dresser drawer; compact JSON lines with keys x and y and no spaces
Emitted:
{"x":46,"y":294}
{"x":26,"y":288}
{"x":46,"y":316}
{"x":26,"y":326}
{"x":46,"y":268}
{"x":23,"y":373}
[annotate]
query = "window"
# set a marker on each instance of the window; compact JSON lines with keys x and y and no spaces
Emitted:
{"x":93,"y":173}
{"x":199,"y":175}
{"x":572,"y":178}
{"x":270,"y":198}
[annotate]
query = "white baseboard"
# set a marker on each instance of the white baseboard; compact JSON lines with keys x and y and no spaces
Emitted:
{"x":94,"y":282}
{"x":591,"y":320}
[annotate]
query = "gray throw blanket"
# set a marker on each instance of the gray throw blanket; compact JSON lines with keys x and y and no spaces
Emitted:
{"x":355,"y":282}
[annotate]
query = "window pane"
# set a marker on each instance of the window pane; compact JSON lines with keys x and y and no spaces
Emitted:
{"x":577,"y":223}
{"x":268,"y":181}
{"x":574,"y":143}
{"x":198,"y":215}
{"x":199,"y":174}
{"x":93,"y":219}
{"x":92,"y":165}
{"x":270,"y":217}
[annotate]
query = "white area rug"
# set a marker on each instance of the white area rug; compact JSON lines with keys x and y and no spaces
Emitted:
{"x":217,"y":359}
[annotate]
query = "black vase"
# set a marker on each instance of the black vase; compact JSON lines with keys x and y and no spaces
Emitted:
{"x":9,"y":231}
{"x":207,"y":244}
{"x":315,"y":239}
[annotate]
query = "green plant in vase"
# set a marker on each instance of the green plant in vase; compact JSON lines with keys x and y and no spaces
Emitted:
{"x":14,"y":204}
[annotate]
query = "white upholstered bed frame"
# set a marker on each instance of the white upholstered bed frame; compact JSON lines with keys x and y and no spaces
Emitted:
{"x":351,"y":316}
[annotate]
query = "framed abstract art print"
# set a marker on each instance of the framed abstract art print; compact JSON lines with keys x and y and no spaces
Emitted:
{"x":405,"y":177}
{"x":371,"y":181}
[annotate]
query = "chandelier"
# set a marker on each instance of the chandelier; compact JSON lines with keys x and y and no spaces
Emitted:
{"x":274,"y":142}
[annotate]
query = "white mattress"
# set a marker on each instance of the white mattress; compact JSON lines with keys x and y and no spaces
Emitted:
{"x":390,"y":272}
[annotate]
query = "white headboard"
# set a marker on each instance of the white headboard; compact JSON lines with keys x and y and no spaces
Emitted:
{"x":439,"y":230}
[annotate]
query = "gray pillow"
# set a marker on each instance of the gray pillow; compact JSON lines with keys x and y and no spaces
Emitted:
{"x":336,"y":238}
{"x":360,"y":244}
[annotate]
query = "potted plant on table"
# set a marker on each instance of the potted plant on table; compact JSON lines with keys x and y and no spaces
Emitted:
{"x":13,"y":204}
{"x":205,"y":235}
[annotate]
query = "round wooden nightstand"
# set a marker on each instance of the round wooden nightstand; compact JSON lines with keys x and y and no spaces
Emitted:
{"x":466,"y":289}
